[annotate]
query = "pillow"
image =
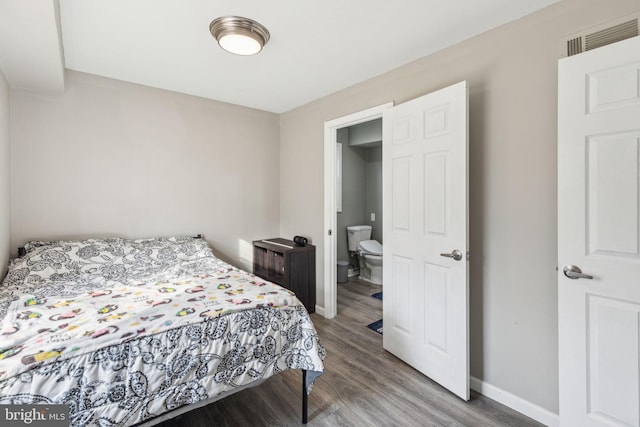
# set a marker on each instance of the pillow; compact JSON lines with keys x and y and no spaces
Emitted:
{"x":104,"y":260}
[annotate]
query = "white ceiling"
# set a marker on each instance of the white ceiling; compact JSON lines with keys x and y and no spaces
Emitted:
{"x":316,"y":47}
{"x":30,"y":46}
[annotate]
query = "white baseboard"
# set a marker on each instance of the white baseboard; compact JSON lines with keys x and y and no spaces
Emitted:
{"x":320,"y":310}
{"x":516,"y":403}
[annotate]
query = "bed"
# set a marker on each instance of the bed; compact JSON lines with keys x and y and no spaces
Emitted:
{"x":132,"y":332}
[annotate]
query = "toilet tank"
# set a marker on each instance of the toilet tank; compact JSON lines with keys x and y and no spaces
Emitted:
{"x":356,"y":234}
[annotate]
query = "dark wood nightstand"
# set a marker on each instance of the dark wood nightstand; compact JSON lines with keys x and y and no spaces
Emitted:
{"x":293,"y":267}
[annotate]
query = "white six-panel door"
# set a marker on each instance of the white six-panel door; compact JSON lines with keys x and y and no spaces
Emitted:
{"x":599,"y":232}
{"x":425,"y":305}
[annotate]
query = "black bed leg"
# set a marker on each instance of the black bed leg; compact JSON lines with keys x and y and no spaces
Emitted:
{"x":304,"y":396}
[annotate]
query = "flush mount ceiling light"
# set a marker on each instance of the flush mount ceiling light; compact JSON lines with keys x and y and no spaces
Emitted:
{"x":242,"y":36}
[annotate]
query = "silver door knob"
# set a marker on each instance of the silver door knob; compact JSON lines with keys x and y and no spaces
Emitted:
{"x":455,"y":254}
{"x":574,"y":272}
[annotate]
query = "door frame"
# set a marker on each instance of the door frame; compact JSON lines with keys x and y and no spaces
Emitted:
{"x":331,"y":127}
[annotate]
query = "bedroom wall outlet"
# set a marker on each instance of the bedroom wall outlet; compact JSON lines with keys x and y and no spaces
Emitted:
{"x":373,"y":216}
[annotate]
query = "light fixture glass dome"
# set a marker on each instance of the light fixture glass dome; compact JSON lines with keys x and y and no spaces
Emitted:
{"x":242,"y":36}
{"x":240,"y":44}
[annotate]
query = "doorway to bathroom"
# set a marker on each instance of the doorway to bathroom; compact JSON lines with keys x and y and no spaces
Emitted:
{"x":359,"y":214}
{"x":342,"y":208}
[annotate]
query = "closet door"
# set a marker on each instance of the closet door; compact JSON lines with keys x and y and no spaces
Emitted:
{"x":599,"y":236}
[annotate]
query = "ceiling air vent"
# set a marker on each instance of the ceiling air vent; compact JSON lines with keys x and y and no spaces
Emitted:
{"x":574,"y":46}
{"x":611,"y":32}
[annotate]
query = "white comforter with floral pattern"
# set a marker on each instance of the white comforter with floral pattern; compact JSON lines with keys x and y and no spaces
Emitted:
{"x":126,"y":330}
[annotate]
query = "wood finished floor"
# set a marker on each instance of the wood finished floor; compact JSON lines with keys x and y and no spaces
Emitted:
{"x":363,"y":385}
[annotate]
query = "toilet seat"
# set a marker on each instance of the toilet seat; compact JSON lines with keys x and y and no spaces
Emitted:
{"x":370,"y":247}
{"x":370,"y":253}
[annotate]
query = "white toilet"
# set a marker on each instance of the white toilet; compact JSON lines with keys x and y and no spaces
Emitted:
{"x":369,"y":252}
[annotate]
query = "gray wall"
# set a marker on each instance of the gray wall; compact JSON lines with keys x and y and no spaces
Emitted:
{"x":354,"y":195}
{"x":374,"y":191}
{"x":366,"y":133}
{"x":114,"y":158}
{"x":5,"y":177}
{"x":361,"y":186}
{"x":512,"y":77}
